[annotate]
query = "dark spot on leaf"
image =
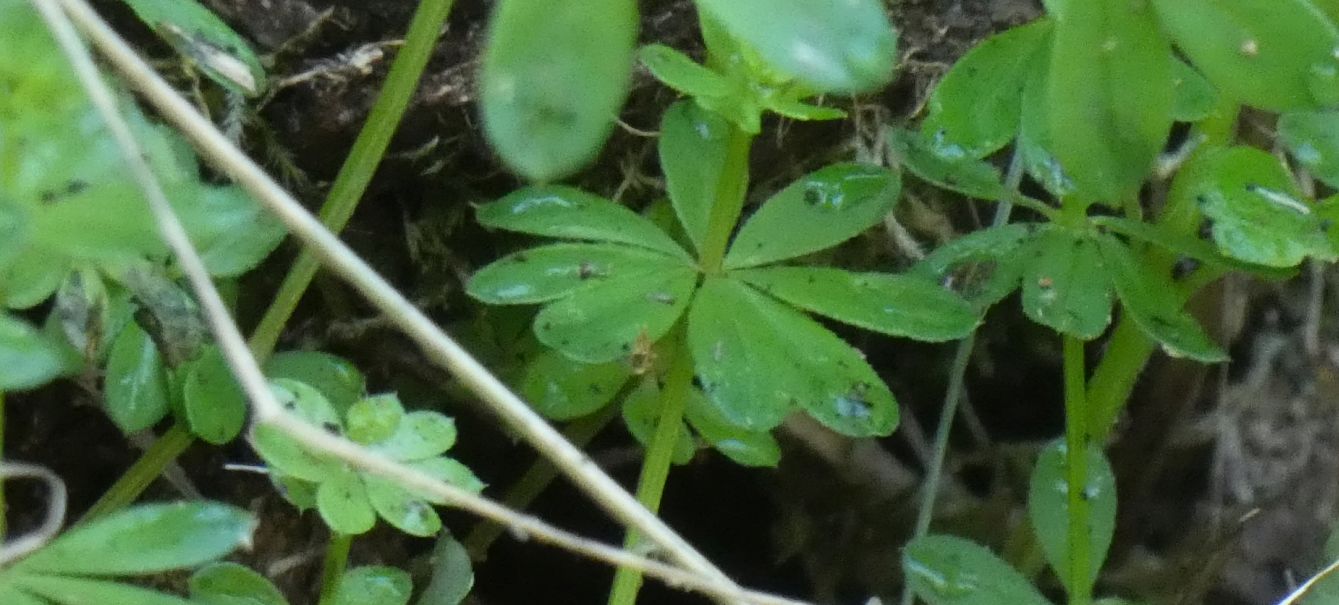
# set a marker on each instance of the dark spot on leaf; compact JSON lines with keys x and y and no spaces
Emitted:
{"x":627,"y":346}
{"x":813,"y":196}
{"x":330,"y":427}
{"x":1202,"y":200}
{"x":520,"y":257}
{"x":1325,"y":225}
{"x":76,"y":186}
{"x":595,"y":389}
{"x":585,"y":270}
{"x":548,"y":325}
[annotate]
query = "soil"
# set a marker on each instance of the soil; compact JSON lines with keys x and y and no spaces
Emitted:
{"x":1227,"y":474}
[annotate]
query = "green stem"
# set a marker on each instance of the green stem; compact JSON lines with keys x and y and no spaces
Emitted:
{"x":361,"y":163}
{"x":1076,"y":476}
{"x":730,"y":193}
{"x":656,"y":466}
{"x":140,"y":475}
{"x":336,"y":560}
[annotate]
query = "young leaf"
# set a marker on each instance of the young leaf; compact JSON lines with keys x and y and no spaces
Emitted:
{"x":966,"y":175}
{"x":80,"y":591}
{"x":1277,"y":55}
{"x":554,"y":77}
{"x":339,"y":381}
{"x":145,"y":539}
{"x":562,"y":389}
{"x":975,"y":108}
{"x":1150,"y":300}
{"x":694,"y":143}
{"x":744,"y":447}
{"x":1065,"y":285}
{"x":1110,"y":98}
{"x":896,"y":305}
{"x":421,"y":434}
{"x":341,"y":498}
{"x":945,"y":570}
{"x":567,"y":213}
{"x":1195,"y":96}
{"x":1258,"y":215}
{"x":452,"y":575}
{"x":215,"y":405}
{"x":983,"y":266}
{"x":197,"y":33}
{"x":1312,"y":137}
{"x":641,"y":414}
{"x":551,"y":272}
{"x":368,"y":585}
{"x":804,"y":112}
{"x":828,"y":45}
{"x":1048,"y":508}
{"x":283,"y":453}
{"x":756,"y":358}
{"x":818,"y":211}
{"x":232,"y":584}
{"x":607,"y":321}
{"x":681,"y":73}
{"x":374,"y":419}
{"x":136,"y":384}
{"x":28,"y":358}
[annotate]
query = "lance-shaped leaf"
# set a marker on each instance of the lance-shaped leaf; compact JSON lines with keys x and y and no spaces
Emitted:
{"x":609,"y":320}
{"x":681,"y":73}
{"x":744,"y":447}
{"x":758,"y":359}
{"x":896,"y":305}
{"x":1110,"y":97}
{"x":562,"y":389}
{"x":1151,"y":301}
{"x":1272,"y":54}
{"x":969,"y":176}
{"x":551,"y":272}
{"x":975,"y":108}
{"x":816,"y":212}
{"x":196,"y":32}
{"x":1048,"y":508}
{"x":70,"y":590}
{"x":554,"y":77}
{"x":983,"y":266}
{"x":568,"y":213}
{"x":1065,"y":285}
{"x":1035,"y":144}
{"x":946,"y":570}
{"x":1312,"y":137}
{"x":694,"y":144}
{"x":1258,"y":215}
{"x":136,"y":384}
{"x":829,"y":45}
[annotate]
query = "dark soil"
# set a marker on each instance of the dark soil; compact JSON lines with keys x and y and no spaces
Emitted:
{"x":1227,"y":474}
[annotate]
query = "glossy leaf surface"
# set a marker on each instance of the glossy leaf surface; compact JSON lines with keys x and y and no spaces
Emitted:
{"x":966,"y":175}
{"x":693,"y":147}
{"x":136,"y":384}
{"x":567,"y":213}
{"x":1065,"y":285}
{"x":1048,"y":508}
{"x":816,"y":212}
{"x":946,"y":570}
{"x":550,"y":272}
{"x":608,"y":320}
{"x":1151,"y":301}
{"x":554,"y":78}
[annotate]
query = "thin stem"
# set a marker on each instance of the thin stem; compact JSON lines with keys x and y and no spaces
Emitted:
{"x":142,"y":473}
{"x":360,"y":165}
{"x":730,"y":193}
{"x":656,"y":466}
{"x":332,"y":571}
{"x":1076,"y":476}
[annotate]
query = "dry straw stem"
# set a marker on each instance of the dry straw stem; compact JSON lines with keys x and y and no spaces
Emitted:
{"x":337,"y":257}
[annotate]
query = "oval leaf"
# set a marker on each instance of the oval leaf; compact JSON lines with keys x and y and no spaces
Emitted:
{"x":1065,"y":285}
{"x":983,"y":266}
{"x":452,"y":574}
{"x":567,"y":213}
{"x":945,"y":570}
{"x":550,"y":272}
{"x":422,"y":434}
{"x":233,"y":584}
{"x":379,"y":585}
{"x":554,"y":77}
{"x":214,"y":402}
{"x":341,"y":498}
{"x":403,"y":510}
{"x":1151,"y":301}
{"x":338,"y":380}
{"x":197,"y":33}
{"x":136,"y":382}
{"x":816,"y":212}
{"x":28,"y":358}
{"x":694,"y":144}
{"x":1195,"y":96}
{"x":744,"y":447}
{"x":562,"y":389}
{"x":1312,"y":137}
{"x":896,"y":305}
{"x":1048,"y":508}
{"x":374,"y":419}
{"x":281,"y":451}
{"x":612,"y":319}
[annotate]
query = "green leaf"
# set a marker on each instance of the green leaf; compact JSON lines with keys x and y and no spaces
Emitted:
{"x":693,"y":147}
{"x":452,"y":575}
{"x":214,"y":402}
{"x":975,"y":108}
{"x":805,"y":112}
{"x":1195,"y":97}
{"x":373,"y":585}
{"x":983,"y":266}
{"x":83,"y":591}
{"x":403,"y":510}
{"x":1048,"y":508}
{"x":14,"y":231}
{"x":1065,"y":284}
{"x":1150,"y":299}
{"x":562,"y":389}
{"x":744,"y":447}
{"x":231,"y":231}
{"x":1312,"y":137}
{"x":1035,"y":143}
{"x":1276,"y":55}
{"x":282,"y":452}
{"x":946,"y":570}
{"x":374,"y":419}
{"x":421,"y":434}
{"x":449,"y":471}
{"x":817,"y":212}
{"x":197,"y":33}
{"x":968,"y":176}
{"x":554,"y":77}
{"x":10,"y":595}
{"x":757,"y":358}
{"x":342,"y":500}
{"x":145,"y":539}
{"x":567,"y":213}
{"x":551,"y":272}
{"x":1184,"y":245}
{"x":606,"y":321}
{"x":829,"y":45}
{"x":641,"y":414}
{"x":136,"y":385}
{"x":1258,"y":214}
{"x":233,"y":584}
{"x":896,"y":305}
{"x":681,"y":73}
{"x":28,"y":358}
{"x":338,"y":380}
{"x":1111,"y":95}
